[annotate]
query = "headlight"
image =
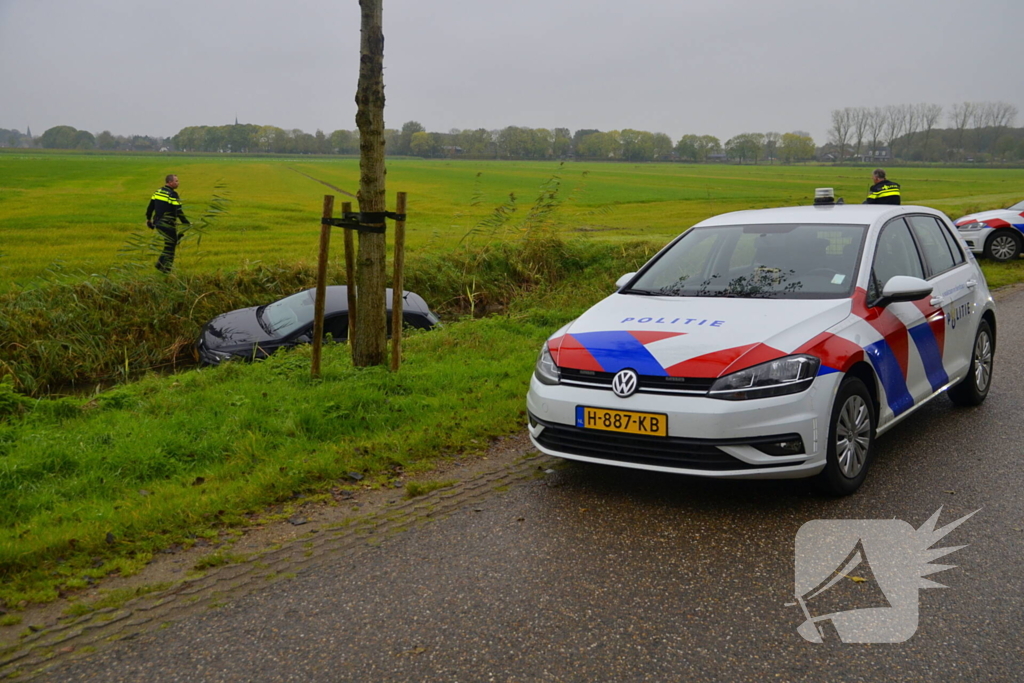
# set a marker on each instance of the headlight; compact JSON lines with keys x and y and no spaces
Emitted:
{"x":546,"y":370}
{"x":977,"y":225}
{"x":789,"y":375}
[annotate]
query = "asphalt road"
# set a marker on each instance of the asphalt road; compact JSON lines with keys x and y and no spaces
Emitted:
{"x":595,"y":574}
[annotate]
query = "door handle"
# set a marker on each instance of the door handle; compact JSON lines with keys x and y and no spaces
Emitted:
{"x":937,"y":301}
{"x":971,"y":284}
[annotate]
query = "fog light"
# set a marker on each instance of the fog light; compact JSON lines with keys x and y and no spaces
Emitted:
{"x":789,"y":446}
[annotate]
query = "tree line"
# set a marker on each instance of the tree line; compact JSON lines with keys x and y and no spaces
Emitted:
{"x":977,"y":131}
{"x":412,"y":139}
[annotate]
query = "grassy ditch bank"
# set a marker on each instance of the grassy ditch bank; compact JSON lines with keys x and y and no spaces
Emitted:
{"x":91,"y":487}
{"x":104,"y":329}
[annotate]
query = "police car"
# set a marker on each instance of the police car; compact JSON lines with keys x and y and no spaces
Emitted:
{"x":776,"y":343}
{"x":996,"y":234}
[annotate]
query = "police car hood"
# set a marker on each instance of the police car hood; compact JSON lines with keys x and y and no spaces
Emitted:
{"x":1012,"y":217}
{"x":691,"y":336}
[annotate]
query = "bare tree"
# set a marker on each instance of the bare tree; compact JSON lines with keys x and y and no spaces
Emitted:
{"x":1002,"y":117}
{"x":960,"y":115}
{"x":839,"y":133}
{"x":370,"y":340}
{"x":876,"y":122}
{"x":984,"y":124}
{"x":895,"y":120}
{"x":912,"y":120}
{"x":930,"y":115}
{"x":861,"y":118}
{"x":1004,"y":114}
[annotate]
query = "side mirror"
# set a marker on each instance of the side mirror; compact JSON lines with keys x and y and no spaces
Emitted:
{"x":903,"y":288}
{"x":621,"y":282}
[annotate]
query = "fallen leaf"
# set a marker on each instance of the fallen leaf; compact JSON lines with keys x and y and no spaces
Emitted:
{"x":858,"y":579}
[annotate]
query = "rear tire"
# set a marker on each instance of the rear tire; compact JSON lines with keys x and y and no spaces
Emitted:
{"x":851,"y":439}
{"x":973,"y":388}
{"x":1003,"y":245}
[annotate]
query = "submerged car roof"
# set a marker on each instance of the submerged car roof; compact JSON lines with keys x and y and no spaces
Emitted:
{"x":337,"y":300}
{"x":849,"y":214}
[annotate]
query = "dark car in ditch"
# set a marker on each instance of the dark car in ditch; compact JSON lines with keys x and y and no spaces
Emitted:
{"x":256,"y":332}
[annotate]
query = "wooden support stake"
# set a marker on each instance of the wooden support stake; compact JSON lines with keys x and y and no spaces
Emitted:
{"x":350,"y":275}
{"x":397,"y":287}
{"x":321,"y":285}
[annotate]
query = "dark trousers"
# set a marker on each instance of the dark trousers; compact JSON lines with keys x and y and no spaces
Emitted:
{"x":171,"y":239}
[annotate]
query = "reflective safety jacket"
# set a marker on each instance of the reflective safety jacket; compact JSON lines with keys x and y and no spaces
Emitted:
{"x":165,"y":206}
{"x":885,"y":192}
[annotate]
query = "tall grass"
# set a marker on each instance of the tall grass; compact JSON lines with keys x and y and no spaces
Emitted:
{"x":102,"y":329}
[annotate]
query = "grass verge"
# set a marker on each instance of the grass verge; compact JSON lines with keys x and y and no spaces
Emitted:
{"x":92,"y":487}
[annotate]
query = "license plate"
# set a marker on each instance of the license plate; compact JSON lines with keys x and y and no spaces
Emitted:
{"x":625,"y":421}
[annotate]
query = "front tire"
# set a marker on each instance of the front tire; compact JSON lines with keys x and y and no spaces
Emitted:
{"x":973,"y":388}
{"x":1003,"y":245}
{"x":851,"y":439}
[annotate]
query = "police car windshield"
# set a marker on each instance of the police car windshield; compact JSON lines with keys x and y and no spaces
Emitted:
{"x":283,"y":317}
{"x":790,"y":261}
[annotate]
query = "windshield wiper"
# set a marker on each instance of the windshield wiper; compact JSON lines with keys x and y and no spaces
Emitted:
{"x":642,"y":292}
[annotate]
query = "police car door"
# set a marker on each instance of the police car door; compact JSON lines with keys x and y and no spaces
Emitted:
{"x":948,"y":309}
{"x":904,"y":371}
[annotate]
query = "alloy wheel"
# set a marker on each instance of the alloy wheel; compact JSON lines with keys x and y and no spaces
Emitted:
{"x":1004,"y":247}
{"x":853,"y":436}
{"x":982,"y":361}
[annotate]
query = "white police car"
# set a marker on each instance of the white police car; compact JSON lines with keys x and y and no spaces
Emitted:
{"x":770,"y":344}
{"x":997,"y":234}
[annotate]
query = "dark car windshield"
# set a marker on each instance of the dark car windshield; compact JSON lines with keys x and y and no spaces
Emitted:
{"x":783,"y":261}
{"x":284,"y":317}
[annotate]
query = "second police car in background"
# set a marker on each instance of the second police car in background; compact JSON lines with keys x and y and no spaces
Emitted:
{"x":997,"y":234}
{"x":776,"y":343}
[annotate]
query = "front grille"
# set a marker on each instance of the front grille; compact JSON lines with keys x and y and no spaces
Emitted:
{"x":697,"y":454}
{"x":646,"y":384}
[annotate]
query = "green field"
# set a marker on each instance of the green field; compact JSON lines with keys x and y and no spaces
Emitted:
{"x":78,"y":211}
{"x":117,"y":475}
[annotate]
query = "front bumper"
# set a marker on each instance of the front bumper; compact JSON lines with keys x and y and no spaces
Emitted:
{"x":706,"y":437}
{"x":975,"y":239}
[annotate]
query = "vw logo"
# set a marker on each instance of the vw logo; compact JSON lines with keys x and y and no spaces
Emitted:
{"x":624,"y":383}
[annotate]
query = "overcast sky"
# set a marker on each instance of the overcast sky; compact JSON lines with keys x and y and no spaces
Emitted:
{"x":721,"y":66}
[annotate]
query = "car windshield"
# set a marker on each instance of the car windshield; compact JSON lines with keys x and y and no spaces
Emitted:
{"x":284,"y":317}
{"x":782,"y":261}
{"x":1019,"y":206}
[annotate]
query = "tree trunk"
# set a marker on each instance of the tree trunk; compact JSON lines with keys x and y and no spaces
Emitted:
{"x":370,"y":343}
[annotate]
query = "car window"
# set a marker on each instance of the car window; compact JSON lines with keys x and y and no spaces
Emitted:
{"x":283,"y":317}
{"x":775,"y":261}
{"x":935,"y":247}
{"x":954,"y":244}
{"x":337,"y":327}
{"x":896,"y":254}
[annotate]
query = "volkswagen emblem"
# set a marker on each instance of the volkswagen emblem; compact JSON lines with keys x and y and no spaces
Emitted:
{"x":624,"y":383}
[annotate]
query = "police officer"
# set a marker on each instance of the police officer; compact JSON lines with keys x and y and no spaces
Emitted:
{"x":883,"y":191}
{"x":163,"y":210}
